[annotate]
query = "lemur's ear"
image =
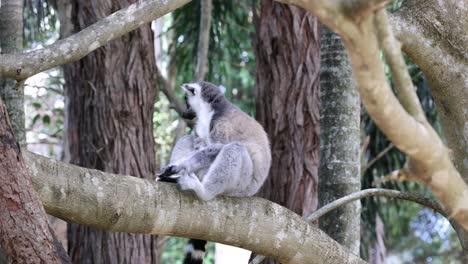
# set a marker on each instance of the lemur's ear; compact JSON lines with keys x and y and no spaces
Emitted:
{"x":222,"y":89}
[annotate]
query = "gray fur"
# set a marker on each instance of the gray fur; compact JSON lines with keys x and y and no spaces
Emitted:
{"x":233,"y":159}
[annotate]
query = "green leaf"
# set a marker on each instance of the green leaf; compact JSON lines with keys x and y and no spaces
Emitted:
{"x":58,"y":111}
{"x":46,"y":120}
{"x":59,"y":122}
{"x":36,"y":105}
{"x":35,"y":118}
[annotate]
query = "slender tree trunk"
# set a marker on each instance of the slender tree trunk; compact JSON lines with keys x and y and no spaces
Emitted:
{"x":24,"y":232}
{"x":201,"y":68}
{"x":339,"y":142}
{"x":11,"y":41}
{"x":110,"y":96}
{"x":378,"y":251}
{"x":287,"y":45}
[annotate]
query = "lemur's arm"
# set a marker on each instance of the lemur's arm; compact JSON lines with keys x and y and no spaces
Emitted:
{"x":198,"y":160}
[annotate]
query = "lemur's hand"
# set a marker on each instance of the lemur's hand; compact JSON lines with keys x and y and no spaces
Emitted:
{"x":198,"y":143}
{"x":169,"y":170}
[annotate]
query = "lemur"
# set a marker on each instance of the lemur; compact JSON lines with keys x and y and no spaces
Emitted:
{"x":228,"y":153}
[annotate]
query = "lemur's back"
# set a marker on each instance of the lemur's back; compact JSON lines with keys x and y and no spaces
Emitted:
{"x":233,"y":125}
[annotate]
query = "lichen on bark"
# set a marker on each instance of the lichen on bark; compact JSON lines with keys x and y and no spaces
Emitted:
{"x":339,"y":171}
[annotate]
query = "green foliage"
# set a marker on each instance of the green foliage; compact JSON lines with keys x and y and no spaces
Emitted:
{"x":44,"y":100}
{"x":44,"y":112}
{"x":164,"y":125}
{"x":231,"y":59}
{"x":40,"y":23}
{"x":173,"y":251}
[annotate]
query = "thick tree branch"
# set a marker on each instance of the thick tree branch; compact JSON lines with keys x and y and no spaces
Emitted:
{"x":429,"y":160}
{"x":403,"y":83}
{"x":73,"y":48}
{"x":434,"y":35}
{"x":102,"y":200}
{"x":427,"y":202}
{"x":417,"y":139}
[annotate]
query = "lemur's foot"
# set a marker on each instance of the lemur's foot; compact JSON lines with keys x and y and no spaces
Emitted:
{"x":171,"y":179}
{"x":168,"y":174}
{"x":188,"y":181}
{"x":169,"y":170}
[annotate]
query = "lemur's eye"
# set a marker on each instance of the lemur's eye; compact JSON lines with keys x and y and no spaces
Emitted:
{"x":191,"y":89}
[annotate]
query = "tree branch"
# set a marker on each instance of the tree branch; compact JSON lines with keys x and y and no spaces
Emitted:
{"x":434,"y":36}
{"x":75,"y":47}
{"x":102,"y":200}
{"x":377,"y":157}
{"x":427,"y":202}
{"x":403,"y":83}
{"x":429,"y":160}
{"x":169,"y":93}
{"x":394,"y":176}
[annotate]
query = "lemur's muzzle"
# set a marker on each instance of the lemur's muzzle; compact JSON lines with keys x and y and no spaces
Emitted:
{"x":188,"y":89}
{"x":188,"y":113}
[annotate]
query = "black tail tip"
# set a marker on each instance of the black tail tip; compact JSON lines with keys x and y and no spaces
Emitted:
{"x":194,"y":251}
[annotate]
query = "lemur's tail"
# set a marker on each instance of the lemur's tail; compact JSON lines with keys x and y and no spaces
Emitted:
{"x":194,"y":251}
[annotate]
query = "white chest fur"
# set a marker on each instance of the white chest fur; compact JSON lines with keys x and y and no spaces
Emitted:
{"x":203,"y":125}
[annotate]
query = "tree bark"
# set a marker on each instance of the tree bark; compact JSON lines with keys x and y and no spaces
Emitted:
{"x":110,"y":96}
{"x":287,"y":91}
{"x":435,"y":35}
{"x":101,"y":199}
{"x":73,"y":48}
{"x":356,"y":23}
{"x":25,"y":236}
{"x":286,"y":47}
{"x":11,"y":41}
{"x":339,"y":171}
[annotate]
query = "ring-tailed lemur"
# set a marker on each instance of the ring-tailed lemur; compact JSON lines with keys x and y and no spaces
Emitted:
{"x":229,"y":153}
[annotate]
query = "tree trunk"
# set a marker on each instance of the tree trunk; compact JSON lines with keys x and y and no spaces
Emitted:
{"x":11,"y":41}
{"x":434,"y":35}
{"x":110,"y":96}
{"x":339,"y":142}
{"x":286,"y":47}
{"x":378,"y":251}
{"x":24,"y":232}
{"x":201,"y":67}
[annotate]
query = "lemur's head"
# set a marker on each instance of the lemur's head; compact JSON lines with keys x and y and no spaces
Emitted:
{"x":202,"y":98}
